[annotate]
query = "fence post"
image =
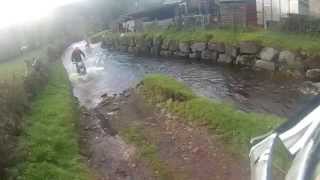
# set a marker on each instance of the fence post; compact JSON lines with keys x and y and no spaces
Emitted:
{"x":271,"y":4}
{"x":279,"y":10}
{"x":263,"y":15}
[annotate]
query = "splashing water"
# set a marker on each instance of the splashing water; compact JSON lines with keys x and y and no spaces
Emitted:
{"x":113,"y":72}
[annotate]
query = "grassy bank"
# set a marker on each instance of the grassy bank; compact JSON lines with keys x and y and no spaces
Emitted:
{"x":17,"y":88}
{"x":234,"y":126}
{"x":49,"y":142}
{"x":297,"y":42}
{"x":17,"y":66}
{"x":290,"y":41}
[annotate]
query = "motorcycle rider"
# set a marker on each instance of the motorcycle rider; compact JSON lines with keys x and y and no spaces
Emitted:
{"x":77,"y":57}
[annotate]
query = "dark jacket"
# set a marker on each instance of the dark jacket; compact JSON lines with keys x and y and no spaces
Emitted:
{"x":77,"y":55}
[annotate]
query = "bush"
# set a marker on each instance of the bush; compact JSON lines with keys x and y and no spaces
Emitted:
{"x":15,"y":96}
{"x":13,"y":105}
{"x":36,"y":78}
{"x":300,"y":24}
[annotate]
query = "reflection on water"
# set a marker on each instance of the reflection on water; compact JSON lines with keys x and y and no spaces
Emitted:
{"x":112,"y":72}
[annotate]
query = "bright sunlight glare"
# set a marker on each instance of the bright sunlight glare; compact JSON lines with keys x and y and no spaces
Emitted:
{"x":25,"y":11}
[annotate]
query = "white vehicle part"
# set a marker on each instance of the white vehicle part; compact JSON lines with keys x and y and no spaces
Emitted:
{"x":298,"y":168}
{"x":296,"y":138}
{"x":259,"y":157}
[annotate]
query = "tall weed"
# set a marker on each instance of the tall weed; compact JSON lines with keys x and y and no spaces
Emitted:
{"x":15,"y":96}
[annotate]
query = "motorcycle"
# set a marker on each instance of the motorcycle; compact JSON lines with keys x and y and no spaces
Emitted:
{"x":81,"y":68}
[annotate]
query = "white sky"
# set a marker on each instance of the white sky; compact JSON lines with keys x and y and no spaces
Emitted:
{"x":24,"y":11}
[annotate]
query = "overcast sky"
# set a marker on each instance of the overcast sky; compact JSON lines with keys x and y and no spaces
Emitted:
{"x":25,"y":11}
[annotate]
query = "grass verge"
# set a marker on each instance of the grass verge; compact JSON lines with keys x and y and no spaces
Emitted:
{"x":147,"y":151}
{"x":49,"y":143}
{"x":16,"y":67}
{"x":297,"y":42}
{"x":235,"y":127}
{"x":309,"y":43}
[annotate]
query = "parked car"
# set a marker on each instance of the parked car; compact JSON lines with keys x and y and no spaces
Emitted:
{"x":292,"y":151}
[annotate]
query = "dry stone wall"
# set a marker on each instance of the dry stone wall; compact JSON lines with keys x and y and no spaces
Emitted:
{"x":244,"y":54}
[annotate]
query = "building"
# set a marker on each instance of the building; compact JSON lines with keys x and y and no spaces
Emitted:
{"x":181,"y":12}
{"x":137,"y":21}
{"x":238,"y":12}
{"x":275,"y":10}
{"x":218,"y":12}
{"x":203,"y":7}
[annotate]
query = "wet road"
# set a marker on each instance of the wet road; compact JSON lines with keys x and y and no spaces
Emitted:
{"x":113,"y":72}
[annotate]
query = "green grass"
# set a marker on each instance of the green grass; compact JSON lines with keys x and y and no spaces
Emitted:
{"x":16,"y":67}
{"x":297,"y":42}
{"x":50,"y":142}
{"x":234,"y":126}
{"x":283,"y":40}
{"x":290,"y":41}
{"x":147,"y":151}
{"x":164,"y":87}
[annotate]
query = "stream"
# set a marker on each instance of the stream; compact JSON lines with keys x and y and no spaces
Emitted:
{"x":114,"y":72}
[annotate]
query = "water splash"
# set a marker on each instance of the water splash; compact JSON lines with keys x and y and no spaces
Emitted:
{"x":114,"y":72}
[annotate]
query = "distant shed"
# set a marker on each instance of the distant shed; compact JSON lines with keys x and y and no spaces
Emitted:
{"x":162,"y":15}
{"x":238,"y":12}
{"x":159,"y":13}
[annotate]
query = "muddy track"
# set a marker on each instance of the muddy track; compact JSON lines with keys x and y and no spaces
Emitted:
{"x":186,"y":152}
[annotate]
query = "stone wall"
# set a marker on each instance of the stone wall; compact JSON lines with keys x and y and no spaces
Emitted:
{"x":244,"y":54}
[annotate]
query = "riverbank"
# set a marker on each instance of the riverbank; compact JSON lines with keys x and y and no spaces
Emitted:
{"x":290,"y":55}
{"x":127,"y":137}
{"x":49,"y":145}
{"x":159,"y":129}
{"x":19,"y":83}
{"x":234,"y":126}
{"x":290,"y":41}
{"x":132,"y":135}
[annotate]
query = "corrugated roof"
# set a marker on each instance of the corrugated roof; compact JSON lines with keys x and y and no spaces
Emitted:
{"x":172,"y":1}
{"x":227,"y":1}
